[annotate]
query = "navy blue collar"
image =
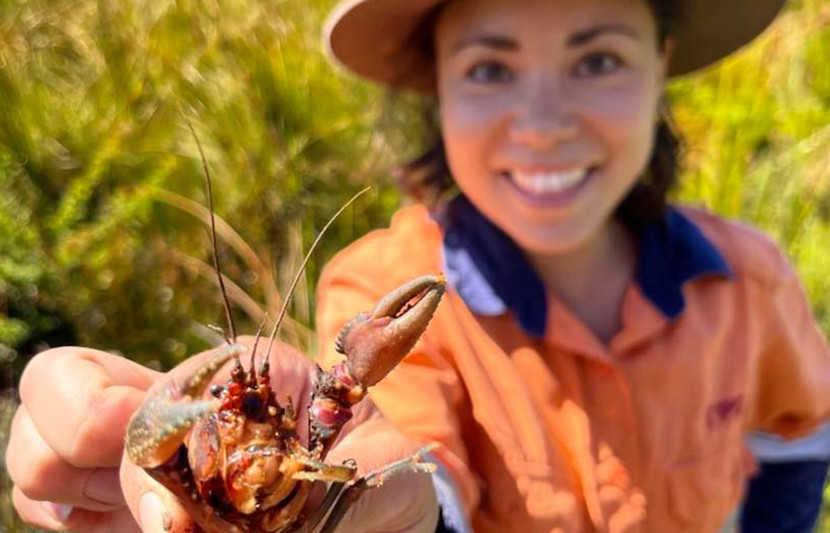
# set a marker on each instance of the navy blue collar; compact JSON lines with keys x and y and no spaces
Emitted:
{"x":482,"y":261}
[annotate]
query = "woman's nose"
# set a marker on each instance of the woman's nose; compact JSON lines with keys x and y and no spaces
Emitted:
{"x":543,"y":116}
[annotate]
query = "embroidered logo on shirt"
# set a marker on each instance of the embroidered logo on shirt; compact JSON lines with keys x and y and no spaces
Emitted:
{"x":724,"y":410}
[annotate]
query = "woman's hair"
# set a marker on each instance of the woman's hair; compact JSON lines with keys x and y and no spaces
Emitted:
{"x":427,"y":178}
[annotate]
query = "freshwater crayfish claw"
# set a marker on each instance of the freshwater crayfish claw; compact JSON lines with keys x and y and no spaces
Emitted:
{"x":374,"y":343}
{"x":160,"y":425}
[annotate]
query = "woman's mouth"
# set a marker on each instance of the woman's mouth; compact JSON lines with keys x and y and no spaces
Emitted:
{"x":549,"y":187}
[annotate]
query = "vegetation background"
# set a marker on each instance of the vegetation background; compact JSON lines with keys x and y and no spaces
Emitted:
{"x":102,"y":234}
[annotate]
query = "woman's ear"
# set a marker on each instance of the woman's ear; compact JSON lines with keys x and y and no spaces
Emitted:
{"x":667,"y":53}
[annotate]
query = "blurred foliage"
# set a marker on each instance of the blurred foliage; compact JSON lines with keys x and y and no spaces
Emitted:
{"x":102,"y":234}
{"x":757,"y":130}
{"x":100,"y":182}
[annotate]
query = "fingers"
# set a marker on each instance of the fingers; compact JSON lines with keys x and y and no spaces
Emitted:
{"x":80,"y":401}
{"x":154,"y":508}
{"x":62,"y":518}
{"x":373,"y":444}
{"x":39,"y":513}
{"x":40,"y":473}
{"x":66,"y":439}
{"x":406,"y":503}
{"x":290,"y":369}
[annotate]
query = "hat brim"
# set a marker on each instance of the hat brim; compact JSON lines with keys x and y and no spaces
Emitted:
{"x":375,"y":38}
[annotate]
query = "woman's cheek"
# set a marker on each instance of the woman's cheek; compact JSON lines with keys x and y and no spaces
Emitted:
{"x":469,"y":115}
{"x":468,"y":135}
{"x":627,"y":122}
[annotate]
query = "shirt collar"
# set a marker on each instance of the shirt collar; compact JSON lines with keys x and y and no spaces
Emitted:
{"x":490,"y":273}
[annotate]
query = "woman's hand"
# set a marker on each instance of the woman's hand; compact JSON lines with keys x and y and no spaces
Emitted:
{"x":67,"y":438}
{"x":67,"y":441}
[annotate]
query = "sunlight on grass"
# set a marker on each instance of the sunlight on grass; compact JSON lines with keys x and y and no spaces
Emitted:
{"x":102,"y":235}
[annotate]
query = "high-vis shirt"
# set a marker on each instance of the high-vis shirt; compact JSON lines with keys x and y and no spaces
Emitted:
{"x":545,"y":428}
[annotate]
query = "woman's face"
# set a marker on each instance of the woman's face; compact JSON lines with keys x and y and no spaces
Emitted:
{"x":548,"y":111}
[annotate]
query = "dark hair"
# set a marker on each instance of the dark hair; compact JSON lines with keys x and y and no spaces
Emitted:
{"x":427,"y":178}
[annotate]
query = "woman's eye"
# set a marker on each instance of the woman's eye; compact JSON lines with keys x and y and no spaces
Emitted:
{"x":598,"y":64}
{"x":489,"y":72}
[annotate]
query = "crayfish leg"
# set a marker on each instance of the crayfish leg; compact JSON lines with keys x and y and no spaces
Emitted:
{"x":353,"y":490}
{"x":337,"y":475}
{"x":310,"y":524}
{"x":326,"y":472}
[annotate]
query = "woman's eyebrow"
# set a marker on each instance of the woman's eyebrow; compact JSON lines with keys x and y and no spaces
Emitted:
{"x":583,"y":37}
{"x":491,"y":41}
{"x":577,"y":39}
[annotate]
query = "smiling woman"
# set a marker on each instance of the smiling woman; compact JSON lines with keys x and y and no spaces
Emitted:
{"x":547,"y":111}
{"x":548,"y":114}
{"x":605,"y":58}
{"x":578,"y":370}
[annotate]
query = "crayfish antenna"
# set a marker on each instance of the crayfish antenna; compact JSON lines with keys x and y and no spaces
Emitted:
{"x":252,"y":378}
{"x":209,"y":186}
{"x":265,"y":366}
{"x":300,"y":271}
{"x":238,"y":373}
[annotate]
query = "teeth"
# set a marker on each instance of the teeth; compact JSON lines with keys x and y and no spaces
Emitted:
{"x":549,"y":182}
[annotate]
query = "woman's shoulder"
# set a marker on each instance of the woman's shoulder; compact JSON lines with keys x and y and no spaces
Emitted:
{"x":409,"y":247}
{"x":750,"y":253}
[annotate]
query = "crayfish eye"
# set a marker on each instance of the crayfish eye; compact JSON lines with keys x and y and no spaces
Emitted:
{"x":252,"y":405}
{"x":216,"y":390}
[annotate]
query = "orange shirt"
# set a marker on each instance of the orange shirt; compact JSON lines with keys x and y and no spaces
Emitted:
{"x":561,"y":432}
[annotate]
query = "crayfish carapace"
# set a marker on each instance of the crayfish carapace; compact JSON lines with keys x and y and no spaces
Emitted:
{"x":236,"y":460}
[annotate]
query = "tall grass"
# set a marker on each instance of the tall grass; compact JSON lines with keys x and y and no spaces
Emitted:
{"x":101,"y":175}
{"x":758,"y":141}
{"x":102,"y":235}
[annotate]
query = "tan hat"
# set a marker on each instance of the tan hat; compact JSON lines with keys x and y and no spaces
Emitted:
{"x":377,"y":39}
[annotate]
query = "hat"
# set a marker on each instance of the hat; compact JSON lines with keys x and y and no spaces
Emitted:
{"x":377,"y":39}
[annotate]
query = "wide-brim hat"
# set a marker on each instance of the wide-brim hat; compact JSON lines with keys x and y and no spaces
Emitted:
{"x":377,"y":39}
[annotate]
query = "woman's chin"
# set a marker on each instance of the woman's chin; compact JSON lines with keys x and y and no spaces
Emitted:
{"x":556,"y":239}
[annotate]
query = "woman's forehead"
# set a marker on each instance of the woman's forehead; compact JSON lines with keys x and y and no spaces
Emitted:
{"x":461,"y":18}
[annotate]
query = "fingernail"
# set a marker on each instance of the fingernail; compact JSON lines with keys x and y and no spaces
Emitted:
{"x":151,"y":514}
{"x":104,"y":486}
{"x":58,"y":511}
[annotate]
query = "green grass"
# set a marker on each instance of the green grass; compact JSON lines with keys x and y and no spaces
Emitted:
{"x":93,"y":147}
{"x":758,"y":131}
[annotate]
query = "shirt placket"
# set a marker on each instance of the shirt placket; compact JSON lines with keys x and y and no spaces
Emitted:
{"x":609,"y":447}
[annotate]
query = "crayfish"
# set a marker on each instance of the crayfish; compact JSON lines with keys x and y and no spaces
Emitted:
{"x":236,"y":460}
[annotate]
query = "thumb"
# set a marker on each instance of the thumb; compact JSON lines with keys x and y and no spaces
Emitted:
{"x":154,"y":508}
{"x":404,"y":503}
